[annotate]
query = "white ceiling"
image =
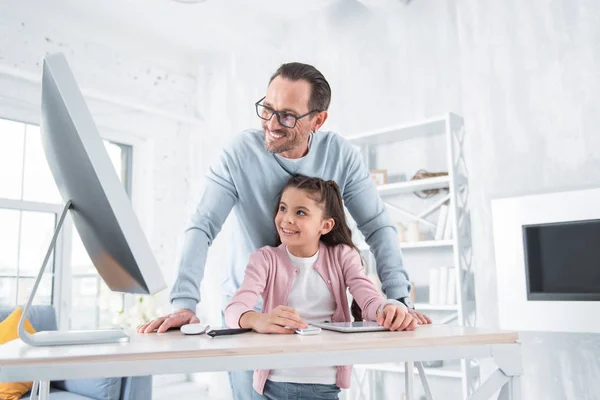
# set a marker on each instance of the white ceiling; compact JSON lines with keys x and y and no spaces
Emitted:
{"x":189,"y":27}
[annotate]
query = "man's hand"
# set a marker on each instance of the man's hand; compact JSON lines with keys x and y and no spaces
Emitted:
{"x":422,"y":319}
{"x":282,"y":319}
{"x":396,"y":318}
{"x":173,"y":320}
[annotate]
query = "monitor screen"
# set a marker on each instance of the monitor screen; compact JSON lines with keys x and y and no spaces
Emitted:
{"x":562,"y":261}
{"x":101,"y":210}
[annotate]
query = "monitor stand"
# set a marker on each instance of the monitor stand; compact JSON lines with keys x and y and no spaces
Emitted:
{"x":55,"y":338}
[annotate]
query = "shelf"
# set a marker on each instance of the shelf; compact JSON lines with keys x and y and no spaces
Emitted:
{"x":428,"y":127}
{"x":435,"y":307}
{"x":447,"y":371}
{"x":416,"y":185}
{"x":426,"y":244}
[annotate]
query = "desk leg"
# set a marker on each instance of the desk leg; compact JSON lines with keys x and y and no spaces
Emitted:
{"x":515,"y":388}
{"x":44,"y":390}
{"x":34,"y":390}
{"x":409,"y":379}
{"x":507,"y":378}
{"x":424,"y":381}
{"x":510,"y":363}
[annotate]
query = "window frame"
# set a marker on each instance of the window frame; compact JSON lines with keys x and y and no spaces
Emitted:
{"x":138,"y":185}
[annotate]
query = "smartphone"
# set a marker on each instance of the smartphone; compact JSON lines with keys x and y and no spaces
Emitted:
{"x":311,"y":330}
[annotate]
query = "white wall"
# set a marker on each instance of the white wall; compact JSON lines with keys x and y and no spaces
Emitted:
{"x":523,"y":74}
{"x":530,"y":86}
{"x":146,"y":94}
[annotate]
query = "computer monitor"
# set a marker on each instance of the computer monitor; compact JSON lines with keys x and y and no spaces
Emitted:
{"x":101,"y":210}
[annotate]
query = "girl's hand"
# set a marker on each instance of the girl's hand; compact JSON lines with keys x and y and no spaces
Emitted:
{"x":396,"y":318}
{"x":282,"y":319}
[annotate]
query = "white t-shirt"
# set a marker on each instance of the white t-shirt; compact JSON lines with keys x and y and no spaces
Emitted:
{"x":313,"y":301}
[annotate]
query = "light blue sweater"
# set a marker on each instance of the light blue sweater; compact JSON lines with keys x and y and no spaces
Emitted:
{"x":247,"y":179}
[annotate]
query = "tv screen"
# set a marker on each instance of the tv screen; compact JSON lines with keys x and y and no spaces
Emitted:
{"x":562,"y":261}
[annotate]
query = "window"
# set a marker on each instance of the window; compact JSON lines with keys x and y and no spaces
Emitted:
{"x":29,"y":209}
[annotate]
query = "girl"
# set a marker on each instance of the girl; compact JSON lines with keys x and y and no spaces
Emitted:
{"x":304,"y":280}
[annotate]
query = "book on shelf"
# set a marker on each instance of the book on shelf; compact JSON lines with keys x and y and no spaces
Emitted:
{"x":442,"y":286}
{"x":451,"y":293}
{"x":447,"y":235}
{"x":434,"y":286}
{"x":441,"y":224}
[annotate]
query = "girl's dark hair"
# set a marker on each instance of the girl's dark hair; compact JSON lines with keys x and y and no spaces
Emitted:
{"x":328,"y":195}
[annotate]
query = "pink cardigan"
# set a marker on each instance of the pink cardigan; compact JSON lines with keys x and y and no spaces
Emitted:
{"x":270,"y":273}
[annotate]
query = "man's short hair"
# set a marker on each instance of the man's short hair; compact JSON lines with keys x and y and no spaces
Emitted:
{"x":320,"y":95}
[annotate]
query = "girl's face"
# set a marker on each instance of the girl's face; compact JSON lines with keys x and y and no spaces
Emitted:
{"x":300,"y":221}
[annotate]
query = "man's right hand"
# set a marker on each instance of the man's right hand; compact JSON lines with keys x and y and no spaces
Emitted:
{"x":173,"y":320}
{"x":282,"y":319}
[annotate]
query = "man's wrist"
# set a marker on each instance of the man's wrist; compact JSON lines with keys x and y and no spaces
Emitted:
{"x":407,"y":301}
{"x":183,"y":303}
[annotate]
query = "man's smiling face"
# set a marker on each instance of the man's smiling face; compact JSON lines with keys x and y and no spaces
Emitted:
{"x":290,"y":97}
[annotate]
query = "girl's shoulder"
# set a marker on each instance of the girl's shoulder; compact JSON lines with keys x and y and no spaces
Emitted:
{"x":268,"y":253}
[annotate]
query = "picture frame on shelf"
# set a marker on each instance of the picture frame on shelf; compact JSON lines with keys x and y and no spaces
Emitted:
{"x":379,"y":176}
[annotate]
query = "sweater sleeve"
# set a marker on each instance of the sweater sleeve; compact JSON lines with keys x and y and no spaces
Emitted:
{"x":368,"y":210}
{"x":362,"y":289}
{"x":246,"y":298}
{"x":219,"y":197}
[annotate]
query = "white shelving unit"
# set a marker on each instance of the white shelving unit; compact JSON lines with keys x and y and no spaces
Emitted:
{"x":450,"y":128}
{"x":413,"y":186}
{"x":436,"y":307}
{"x":427,"y":244}
{"x":447,"y":371}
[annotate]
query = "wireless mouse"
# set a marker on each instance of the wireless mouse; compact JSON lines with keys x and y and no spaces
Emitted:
{"x":194,"y":329}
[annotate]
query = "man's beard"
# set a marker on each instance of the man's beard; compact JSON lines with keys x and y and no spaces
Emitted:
{"x":290,"y":142}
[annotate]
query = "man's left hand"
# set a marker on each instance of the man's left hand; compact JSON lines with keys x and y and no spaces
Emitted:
{"x":422,"y":319}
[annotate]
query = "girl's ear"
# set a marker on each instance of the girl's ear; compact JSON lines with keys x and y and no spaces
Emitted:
{"x":327,"y":226}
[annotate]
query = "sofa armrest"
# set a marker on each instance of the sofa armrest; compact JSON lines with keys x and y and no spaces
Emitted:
{"x":94,"y":388}
{"x":136,"y":388}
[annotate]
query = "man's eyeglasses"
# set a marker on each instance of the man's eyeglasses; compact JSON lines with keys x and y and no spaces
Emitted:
{"x":285,"y":119}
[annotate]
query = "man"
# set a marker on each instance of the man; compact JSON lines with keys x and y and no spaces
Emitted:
{"x":247,"y":179}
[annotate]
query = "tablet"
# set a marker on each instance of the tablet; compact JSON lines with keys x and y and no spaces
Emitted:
{"x":349,"y":327}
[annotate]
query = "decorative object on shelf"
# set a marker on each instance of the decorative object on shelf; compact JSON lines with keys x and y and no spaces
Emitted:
{"x":413,"y":234}
{"x":423,"y":174}
{"x":401,"y":232}
{"x":379,"y":176}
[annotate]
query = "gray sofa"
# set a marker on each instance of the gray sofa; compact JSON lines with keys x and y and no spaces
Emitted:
{"x":43,"y":318}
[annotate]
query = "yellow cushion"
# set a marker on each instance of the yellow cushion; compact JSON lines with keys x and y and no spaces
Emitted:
{"x":9,"y":331}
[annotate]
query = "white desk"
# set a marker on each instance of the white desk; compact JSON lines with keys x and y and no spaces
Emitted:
{"x":174,"y":352}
